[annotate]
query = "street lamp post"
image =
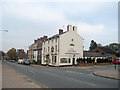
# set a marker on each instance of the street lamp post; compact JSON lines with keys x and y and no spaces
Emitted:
{"x":1,"y":39}
{"x":4,"y":30}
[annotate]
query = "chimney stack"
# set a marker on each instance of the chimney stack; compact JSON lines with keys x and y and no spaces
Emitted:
{"x":35,"y":41}
{"x":60,"y":31}
{"x":74,"y":28}
{"x":69,"y":27}
{"x":38,"y":39}
{"x":45,"y":37}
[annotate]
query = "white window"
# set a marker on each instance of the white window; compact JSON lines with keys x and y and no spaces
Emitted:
{"x":48,"y":42}
{"x":54,"y":59}
{"x":44,"y":49}
{"x":56,"y":48}
{"x":63,"y":60}
{"x":48,"y":49}
{"x":44,"y":59}
{"x":52,"y":40}
{"x":52,"y":49}
{"x":56,"y":40}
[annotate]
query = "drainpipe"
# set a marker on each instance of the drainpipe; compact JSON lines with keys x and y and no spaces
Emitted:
{"x":58,"y":49}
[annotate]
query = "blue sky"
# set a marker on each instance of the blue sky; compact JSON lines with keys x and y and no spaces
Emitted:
{"x":29,"y":20}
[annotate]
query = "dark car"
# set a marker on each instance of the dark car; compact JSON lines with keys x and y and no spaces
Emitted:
{"x":26,"y":62}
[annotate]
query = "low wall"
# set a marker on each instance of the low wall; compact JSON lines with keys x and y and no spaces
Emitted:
{"x":90,"y":64}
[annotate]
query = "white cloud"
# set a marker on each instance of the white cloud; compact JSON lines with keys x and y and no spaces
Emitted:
{"x":91,"y":29}
{"x":35,"y":14}
{"x":91,"y":32}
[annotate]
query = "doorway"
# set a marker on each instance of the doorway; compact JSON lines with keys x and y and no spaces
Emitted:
{"x":73,"y":61}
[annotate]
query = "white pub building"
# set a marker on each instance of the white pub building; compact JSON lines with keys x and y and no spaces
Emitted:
{"x":62,"y":49}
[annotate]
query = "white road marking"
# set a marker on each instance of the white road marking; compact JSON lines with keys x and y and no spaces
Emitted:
{"x":81,"y":81}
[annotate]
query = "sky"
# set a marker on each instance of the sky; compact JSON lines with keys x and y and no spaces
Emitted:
{"x":27,"y":20}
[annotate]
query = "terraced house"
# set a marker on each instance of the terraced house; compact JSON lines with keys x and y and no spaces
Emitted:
{"x":63,"y":48}
{"x":34,"y":52}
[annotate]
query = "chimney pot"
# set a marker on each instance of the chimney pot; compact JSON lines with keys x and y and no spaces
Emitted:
{"x":60,"y":31}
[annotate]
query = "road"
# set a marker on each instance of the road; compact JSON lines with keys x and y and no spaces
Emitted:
{"x":65,"y":78}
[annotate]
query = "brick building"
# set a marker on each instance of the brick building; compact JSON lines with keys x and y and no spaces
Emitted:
{"x":106,"y":51}
{"x":34,"y":52}
{"x":21,"y":54}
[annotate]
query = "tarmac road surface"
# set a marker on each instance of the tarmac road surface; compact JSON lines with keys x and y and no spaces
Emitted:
{"x":65,"y":78}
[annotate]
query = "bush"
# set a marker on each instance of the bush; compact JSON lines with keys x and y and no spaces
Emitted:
{"x":89,"y":60}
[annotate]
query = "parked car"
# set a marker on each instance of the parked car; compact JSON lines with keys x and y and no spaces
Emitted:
{"x":4,"y":60}
{"x":12,"y":61}
{"x":20,"y":61}
{"x":117,"y":61}
{"x":26,"y":62}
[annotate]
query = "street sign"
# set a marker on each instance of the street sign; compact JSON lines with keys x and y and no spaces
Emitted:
{"x":107,"y":55}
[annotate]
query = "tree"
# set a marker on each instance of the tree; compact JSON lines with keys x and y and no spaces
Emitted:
{"x":93,"y":45}
{"x":114,"y":46}
{"x":12,"y":53}
{"x":99,"y":45}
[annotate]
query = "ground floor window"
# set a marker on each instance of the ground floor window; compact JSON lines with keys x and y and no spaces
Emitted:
{"x":63,"y":60}
{"x":44,"y":59}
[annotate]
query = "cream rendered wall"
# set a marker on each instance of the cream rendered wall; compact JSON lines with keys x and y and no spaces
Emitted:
{"x":65,"y":41}
{"x":63,"y":45}
{"x":46,"y":45}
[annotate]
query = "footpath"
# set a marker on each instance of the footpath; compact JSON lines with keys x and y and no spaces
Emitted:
{"x":13,"y":79}
{"x":112,"y":74}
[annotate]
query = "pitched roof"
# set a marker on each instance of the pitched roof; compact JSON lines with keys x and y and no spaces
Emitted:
{"x":92,"y":54}
{"x":36,"y":43}
{"x":39,"y":48}
{"x":108,"y":50}
{"x":54,"y":36}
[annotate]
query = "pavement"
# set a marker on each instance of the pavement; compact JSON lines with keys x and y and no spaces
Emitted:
{"x":112,"y":74}
{"x":13,"y":79}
